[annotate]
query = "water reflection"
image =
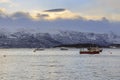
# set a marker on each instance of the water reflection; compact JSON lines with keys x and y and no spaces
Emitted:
{"x":3,"y":67}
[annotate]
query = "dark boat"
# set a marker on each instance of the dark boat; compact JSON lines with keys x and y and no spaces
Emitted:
{"x":38,"y":49}
{"x":63,"y":48}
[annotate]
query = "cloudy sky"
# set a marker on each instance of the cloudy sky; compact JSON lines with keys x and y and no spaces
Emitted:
{"x":49,"y":15}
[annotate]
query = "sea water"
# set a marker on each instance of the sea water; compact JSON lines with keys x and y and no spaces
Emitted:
{"x":56,"y":64}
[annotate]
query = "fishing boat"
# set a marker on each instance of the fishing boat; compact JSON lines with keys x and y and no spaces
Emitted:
{"x":91,"y":50}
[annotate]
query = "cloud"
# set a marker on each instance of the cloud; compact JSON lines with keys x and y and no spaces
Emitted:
{"x":3,"y":13}
{"x":24,"y":20}
{"x":50,"y":22}
{"x":38,"y":15}
{"x":4,"y":1}
{"x":2,"y":10}
{"x":9,"y":3}
{"x":60,"y":14}
{"x":55,"y":10}
{"x":13,"y":4}
{"x":54,"y":14}
{"x":21,"y":15}
{"x":43,"y":16}
{"x":67,"y":14}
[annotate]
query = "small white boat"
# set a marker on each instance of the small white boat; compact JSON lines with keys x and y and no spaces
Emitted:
{"x":113,"y":47}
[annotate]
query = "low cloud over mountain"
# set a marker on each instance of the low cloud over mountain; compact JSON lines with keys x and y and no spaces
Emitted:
{"x":45,"y":22}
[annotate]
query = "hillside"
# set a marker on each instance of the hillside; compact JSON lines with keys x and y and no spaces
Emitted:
{"x":32,"y":40}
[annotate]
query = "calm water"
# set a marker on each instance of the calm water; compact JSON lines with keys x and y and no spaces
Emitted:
{"x":54,"y":64}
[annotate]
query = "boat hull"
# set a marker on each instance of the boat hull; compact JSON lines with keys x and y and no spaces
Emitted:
{"x":88,"y":52}
{"x":38,"y":49}
{"x":63,"y":49}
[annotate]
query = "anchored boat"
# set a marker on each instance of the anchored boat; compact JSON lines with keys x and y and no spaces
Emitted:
{"x":91,"y":50}
{"x":63,"y":48}
{"x":38,"y":49}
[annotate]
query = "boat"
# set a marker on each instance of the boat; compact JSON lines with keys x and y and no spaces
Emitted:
{"x":38,"y":49}
{"x":113,"y":47}
{"x":91,"y":50}
{"x":63,"y":48}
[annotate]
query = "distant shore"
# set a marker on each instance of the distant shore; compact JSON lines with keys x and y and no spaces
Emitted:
{"x":89,"y":45}
{"x":70,"y":46}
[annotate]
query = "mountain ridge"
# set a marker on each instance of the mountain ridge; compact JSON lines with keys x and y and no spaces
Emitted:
{"x":24,"y":39}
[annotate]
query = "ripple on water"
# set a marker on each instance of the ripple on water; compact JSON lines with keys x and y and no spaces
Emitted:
{"x":55,"y":65}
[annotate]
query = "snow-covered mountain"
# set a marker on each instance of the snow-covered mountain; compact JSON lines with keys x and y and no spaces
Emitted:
{"x":80,"y":37}
{"x":113,"y":38}
{"x":26,"y":39}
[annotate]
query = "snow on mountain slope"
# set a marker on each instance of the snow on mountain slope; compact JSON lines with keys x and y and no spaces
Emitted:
{"x":27,"y":39}
{"x":71,"y":37}
{"x":115,"y":39}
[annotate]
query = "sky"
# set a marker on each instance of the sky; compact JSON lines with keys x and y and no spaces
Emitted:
{"x":90,"y":9}
{"x":86,"y":15}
